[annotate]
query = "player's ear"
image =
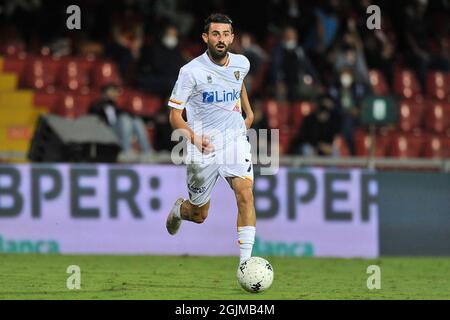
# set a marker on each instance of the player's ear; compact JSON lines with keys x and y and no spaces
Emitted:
{"x":205,"y":37}
{"x":232,"y":38}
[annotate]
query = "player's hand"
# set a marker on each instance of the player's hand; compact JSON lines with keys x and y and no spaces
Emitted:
{"x":203,"y":144}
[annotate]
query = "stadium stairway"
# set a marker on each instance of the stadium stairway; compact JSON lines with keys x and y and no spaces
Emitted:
{"x":18,"y":115}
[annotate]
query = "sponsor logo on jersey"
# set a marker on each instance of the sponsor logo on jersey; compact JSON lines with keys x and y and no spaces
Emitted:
{"x":217,"y":96}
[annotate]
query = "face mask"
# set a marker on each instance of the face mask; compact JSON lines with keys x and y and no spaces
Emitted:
{"x":346,"y":80}
{"x":170,"y":41}
{"x":290,"y":44}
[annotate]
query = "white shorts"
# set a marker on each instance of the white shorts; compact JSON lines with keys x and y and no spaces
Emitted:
{"x":202,"y":177}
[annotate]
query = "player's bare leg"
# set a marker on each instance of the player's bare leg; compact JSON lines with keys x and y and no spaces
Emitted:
{"x":246,"y":219}
{"x":184,"y":210}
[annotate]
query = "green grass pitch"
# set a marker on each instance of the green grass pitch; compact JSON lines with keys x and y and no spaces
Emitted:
{"x":158,"y":277}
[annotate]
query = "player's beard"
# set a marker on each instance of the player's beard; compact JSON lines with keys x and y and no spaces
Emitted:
{"x":216,"y":55}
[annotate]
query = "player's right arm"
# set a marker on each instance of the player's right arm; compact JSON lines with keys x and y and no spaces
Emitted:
{"x":177,"y":122}
{"x":180,"y":95}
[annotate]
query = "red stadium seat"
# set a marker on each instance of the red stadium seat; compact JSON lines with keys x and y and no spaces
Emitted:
{"x":410,"y":115}
{"x":341,"y":145}
{"x":277,"y":113}
{"x":15,"y":64}
{"x":437,"y":117}
{"x":104,"y":73}
{"x":139,"y":103}
{"x":299,"y":111}
{"x":378,"y":83}
{"x":72,"y":105}
{"x":406,"y":84}
{"x":405,"y":145}
{"x":438,"y":85}
{"x":12,"y":48}
{"x":74,"y":75}
{"x":47,"y":100}
{"x":434,"y":147}
{"x":446,"y":146}
{"x":285,"y":139}
{"x":41,"y":73}
{"x":363,"y":144}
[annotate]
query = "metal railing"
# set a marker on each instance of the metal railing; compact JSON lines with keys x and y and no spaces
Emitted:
{"x":442,"y":165}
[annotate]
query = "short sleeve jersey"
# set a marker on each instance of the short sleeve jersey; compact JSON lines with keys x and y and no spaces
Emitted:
{"x":211,"y":95}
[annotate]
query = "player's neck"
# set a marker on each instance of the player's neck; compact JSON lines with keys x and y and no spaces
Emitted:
{"x":220,"y":62}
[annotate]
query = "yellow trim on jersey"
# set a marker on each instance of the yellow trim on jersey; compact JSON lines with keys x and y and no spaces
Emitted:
{"x":175,"y":101}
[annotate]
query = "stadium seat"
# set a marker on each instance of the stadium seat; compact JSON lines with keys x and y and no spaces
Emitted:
{"x":410,"y":115}
{"x":378,"y":83}
{"x":437,"y":117}
{"x":15,"y":64}
{"x":46,"y":100}
{"x":438,"y":85}
{"x":104,"y":73}
{"x":41,"y":73}
{"x":74,"y":75}
{"x":12,"y":48}
{"x":406,"y":84}
{"x":404,"y":145}
{"x":434,"y":147}
{"x":72,"y":105}
{"x":277,"y":113}
{"x":341,"y":145}
{"x":299,"y":111}
{"x":446,"y":146}
{"x":285,"y":139}
{"x":362,"y":144}
{"x":140,"y":104}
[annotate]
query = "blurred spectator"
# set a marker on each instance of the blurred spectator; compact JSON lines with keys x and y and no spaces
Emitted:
{"x":417,"y":35}
{"x":170,"y":11}
{"x":128,"y":37}
{"x":160,"y":63}
{"x":350,"y":55}
{"x":122,"y":123}
{"x":163,"y":131}
{"x":323,"y":33}
{"x":379,"y":50}
{"x":348,"y":95}
{"x":291,"y":72}
{"x":318,"y":131}
{"x":247,"y":46}
{"x":260,"y":122}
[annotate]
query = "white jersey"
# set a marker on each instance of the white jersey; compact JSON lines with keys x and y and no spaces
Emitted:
{"x":211,"y":95}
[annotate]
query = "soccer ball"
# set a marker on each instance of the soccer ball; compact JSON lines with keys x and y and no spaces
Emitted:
{"x":255,"y":274}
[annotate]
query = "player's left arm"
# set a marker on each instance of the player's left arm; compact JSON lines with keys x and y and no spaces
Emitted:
{"x":245,"y":104}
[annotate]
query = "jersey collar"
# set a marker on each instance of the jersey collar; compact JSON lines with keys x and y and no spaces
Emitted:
{"x":227,"y":63}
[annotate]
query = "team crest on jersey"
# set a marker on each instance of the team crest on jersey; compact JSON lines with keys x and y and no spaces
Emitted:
{"x":237,"y":75}
{"x":209,"y":78}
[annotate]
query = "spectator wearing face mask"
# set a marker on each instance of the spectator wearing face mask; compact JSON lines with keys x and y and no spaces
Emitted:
{"x":318,"y":131}
{"x":291,"y":72}
{"x":350,"y":55}
{"x":348,"y":95}
{"x":160,"y":63}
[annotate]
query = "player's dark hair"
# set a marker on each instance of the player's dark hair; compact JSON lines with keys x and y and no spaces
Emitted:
{"x":217,"y":18}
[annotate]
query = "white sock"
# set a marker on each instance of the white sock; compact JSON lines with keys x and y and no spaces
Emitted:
{"x":246,"y":238}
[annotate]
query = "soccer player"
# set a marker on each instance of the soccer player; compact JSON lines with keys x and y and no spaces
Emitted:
{"x":211,"y":89}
